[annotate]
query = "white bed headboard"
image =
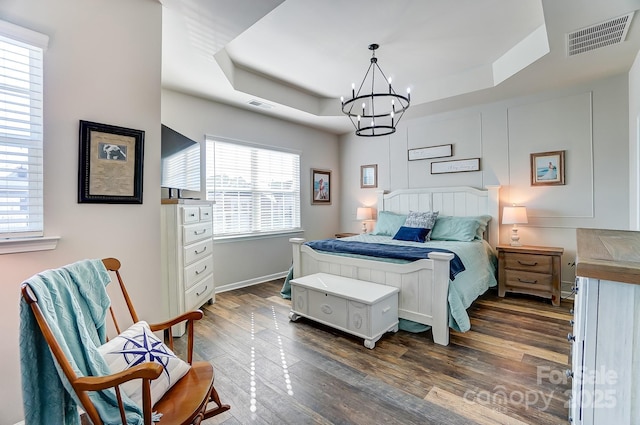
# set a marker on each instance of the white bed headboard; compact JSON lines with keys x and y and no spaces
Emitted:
{"x":456,"y":201}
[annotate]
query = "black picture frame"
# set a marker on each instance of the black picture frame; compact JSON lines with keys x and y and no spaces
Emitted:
{"x":110,"y":164}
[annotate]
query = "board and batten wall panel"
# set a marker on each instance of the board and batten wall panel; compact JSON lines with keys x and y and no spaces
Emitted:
{"x":538,"y":127}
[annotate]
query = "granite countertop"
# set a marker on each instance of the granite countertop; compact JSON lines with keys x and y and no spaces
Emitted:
{"x":609,"y":255}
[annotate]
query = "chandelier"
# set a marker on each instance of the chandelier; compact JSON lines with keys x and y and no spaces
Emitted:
{"x":376,"y":113}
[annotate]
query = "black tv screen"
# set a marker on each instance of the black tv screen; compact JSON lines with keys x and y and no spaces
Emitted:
{"x":180,"y":157}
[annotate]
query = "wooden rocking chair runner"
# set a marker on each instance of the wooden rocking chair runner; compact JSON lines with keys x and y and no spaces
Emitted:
{"x":185,"y":402}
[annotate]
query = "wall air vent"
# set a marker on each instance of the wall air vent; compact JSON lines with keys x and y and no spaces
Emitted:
{"x":259,"y":104}
{"x":607,"y":33}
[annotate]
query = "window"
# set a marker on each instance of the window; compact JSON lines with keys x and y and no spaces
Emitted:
{"x":21,"y":192}
{"x":256,"y":189}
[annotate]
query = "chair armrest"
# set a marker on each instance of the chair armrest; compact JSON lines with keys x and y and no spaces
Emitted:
{"x":190,"y":315}
{"x":148,"y":370}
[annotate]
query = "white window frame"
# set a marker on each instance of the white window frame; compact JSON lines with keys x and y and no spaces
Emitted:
{"x":30,"y":238}
{"x":211,"y":188}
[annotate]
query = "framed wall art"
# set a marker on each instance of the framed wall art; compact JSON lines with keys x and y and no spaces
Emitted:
{"x":110,"y":164}
{"x":369,"y":176}
{"x":455,"y":166}
{"x":320,"y":187}
{"x":547,"y":168}
{"x":430,"y":152}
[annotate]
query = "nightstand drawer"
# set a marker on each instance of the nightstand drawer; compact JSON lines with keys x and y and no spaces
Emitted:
{"x":527,"y":280}
{"x":529,"y":263}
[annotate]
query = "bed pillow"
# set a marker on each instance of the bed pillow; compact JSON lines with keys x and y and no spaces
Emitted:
{"x":463,"y":229}
{"x":388,"y":223}
{"x":413,"y":234}
{"x":424,"y":220}
{"x":138,"y":345}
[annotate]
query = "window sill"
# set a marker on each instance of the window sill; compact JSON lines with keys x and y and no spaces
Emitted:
{"x":12,"y":246}
{"x":239,"y":238}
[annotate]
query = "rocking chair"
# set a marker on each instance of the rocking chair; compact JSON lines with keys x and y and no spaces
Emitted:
{"x":185,"y":402}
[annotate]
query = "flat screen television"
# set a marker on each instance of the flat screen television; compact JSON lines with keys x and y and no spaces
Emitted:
{"x":180,"y":159}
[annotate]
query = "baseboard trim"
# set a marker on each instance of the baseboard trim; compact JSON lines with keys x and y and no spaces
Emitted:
{"x":250,"y":282}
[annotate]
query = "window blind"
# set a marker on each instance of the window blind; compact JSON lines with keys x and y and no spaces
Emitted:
{"x":21,"y":135}
{"x":256,"y":189}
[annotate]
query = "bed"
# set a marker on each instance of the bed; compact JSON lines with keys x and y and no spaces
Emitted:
{"x":427,"y":295}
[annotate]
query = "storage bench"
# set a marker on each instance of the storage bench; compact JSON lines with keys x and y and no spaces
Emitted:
{"x":364,"y":309}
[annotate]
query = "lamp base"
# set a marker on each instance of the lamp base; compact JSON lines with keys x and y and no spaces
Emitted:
{"x":364,"y":227}
{"x":515,"y":238}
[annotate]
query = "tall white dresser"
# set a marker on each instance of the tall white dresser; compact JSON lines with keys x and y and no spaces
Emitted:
{"x":187,"y":256}
{"x":605,"y":359}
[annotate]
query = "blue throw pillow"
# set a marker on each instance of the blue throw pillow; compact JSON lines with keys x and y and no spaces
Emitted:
{"x":413,"y":234}
{"x":388,"y":223}
{"x":425,"y":220}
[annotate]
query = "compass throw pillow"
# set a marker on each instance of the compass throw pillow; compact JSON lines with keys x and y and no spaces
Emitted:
{"x":137,"y":345}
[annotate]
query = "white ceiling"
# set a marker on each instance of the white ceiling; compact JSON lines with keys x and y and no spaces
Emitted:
{"x":300,"y":56}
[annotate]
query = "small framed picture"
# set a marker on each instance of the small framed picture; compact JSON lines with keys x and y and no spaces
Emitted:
{"x":369,"y":176}
{"x":320,"y":187}
{"x":547,"y":168}
{"x":110,"y":164}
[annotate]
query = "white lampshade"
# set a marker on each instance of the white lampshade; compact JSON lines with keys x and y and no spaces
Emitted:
{"x":514,"y":215}
{"x":364,"y":213}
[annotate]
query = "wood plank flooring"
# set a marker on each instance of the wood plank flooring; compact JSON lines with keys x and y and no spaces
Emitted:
{"x":509,"y":369}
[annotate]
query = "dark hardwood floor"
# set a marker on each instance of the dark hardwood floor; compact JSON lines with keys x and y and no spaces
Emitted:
{"x":509,"y":369}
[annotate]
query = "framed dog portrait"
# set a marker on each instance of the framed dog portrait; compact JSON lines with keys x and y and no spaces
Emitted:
{"x":110,"y":164}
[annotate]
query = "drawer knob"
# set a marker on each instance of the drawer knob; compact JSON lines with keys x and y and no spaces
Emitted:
{"x":528,"y":263}
{"x":195,"y":232}
{"x":571,"y":337}
{"x":569,"y":373}
{"x":200,"y":252}
{"x":572,"y":322}
{"x":203,"y":291}
{"x":201,"y":271}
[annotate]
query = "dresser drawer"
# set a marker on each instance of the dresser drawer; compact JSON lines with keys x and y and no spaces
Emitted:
{"x":530,"y":263}
{"x":196,"y":271}
{"x":190,"y":215}
{"x":328,"y":308}
{"x":199,"y":294}
{"x":197,"y":251}
{"x":527,"y":280}
{"x":206,"y":213}
{"x":196,"y":232}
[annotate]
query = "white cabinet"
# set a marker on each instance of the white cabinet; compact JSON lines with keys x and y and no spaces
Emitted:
{"x":187,"y":257}
{"x":605,"y":360}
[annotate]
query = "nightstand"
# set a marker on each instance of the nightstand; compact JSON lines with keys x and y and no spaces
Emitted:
{"x":345,"y":235}
{"x":533,"y":270}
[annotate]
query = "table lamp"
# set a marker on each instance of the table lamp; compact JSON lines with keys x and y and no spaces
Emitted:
{"x":514,"y":215}
{"x":364,"y":214}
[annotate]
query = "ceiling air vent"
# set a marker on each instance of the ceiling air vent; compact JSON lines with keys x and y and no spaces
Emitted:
{"x":613,"y":31}
{"x":259,"y":104}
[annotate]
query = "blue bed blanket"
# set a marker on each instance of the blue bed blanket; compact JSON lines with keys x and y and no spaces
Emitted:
{"x":380,"y":250}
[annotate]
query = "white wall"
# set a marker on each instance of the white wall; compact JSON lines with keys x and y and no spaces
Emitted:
{"x":103,"y":65}
{"x":242,"y":262}
{"x":590,"y":122}
{"x":634,"y":145}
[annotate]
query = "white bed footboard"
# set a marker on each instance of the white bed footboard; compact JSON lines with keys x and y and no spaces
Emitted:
{"x":423,"y":284}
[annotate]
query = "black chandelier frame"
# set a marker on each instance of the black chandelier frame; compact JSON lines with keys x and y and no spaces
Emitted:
{"x":382,"y":122}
